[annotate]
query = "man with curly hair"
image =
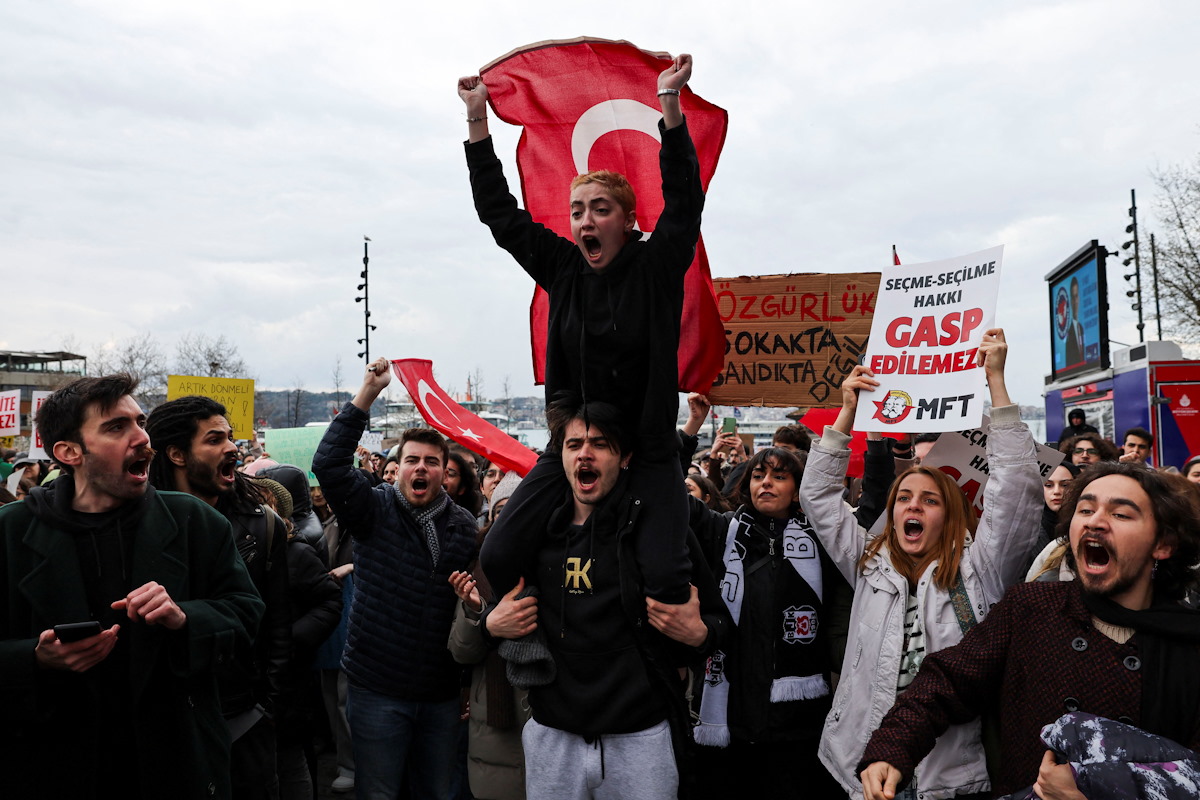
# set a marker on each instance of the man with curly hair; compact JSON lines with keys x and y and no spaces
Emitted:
{"x":1115,"y":642}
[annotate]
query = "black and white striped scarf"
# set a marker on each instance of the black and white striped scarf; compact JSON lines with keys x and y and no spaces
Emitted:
{"x":424,"y":517}
{"x":793,"y":679}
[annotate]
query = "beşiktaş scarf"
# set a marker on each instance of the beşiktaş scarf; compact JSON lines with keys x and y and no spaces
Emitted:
{"x":1168,"y":638}
{"x":424,"y":517}
{"x":793,"y":679}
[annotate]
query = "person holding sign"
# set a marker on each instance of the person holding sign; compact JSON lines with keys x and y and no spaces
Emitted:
{"x":615,"y":305}
{"x":930,"y":576}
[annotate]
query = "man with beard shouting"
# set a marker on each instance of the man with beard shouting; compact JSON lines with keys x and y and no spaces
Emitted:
{"x":403,"y":691}
{"x":116,"y":604}
{"x":1115,"y":643}
{"x":196,"y":455}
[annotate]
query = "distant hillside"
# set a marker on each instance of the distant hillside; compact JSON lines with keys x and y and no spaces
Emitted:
{"x":280,"y":408}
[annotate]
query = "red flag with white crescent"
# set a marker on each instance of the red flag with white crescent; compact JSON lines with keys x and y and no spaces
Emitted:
{"x":452,"y":420}
{"x":590,"y":104}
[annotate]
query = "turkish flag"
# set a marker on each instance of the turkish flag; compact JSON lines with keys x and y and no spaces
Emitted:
{"x":589,"y":104}
{"x":456,"y":422}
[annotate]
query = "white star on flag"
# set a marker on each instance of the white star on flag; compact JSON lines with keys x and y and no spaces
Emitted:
{"x":447,"y":417}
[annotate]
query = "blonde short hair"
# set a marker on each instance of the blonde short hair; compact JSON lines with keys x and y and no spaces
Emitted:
{"x":616,"y":184}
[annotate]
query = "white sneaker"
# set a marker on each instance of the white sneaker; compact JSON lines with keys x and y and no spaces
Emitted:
{"x":344,"y":782}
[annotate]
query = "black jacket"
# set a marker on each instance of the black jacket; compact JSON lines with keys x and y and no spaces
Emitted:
{"x":57,"y":736}
{"x":257,"y":676}
{"x":307,"y":525}
{"x":316,"y":602}
{"x":403,"y":603}
{"x":750,"y":660}
{"x":1076,"y":430}
{"x":650,"y":667}
{"x":612,"y":334}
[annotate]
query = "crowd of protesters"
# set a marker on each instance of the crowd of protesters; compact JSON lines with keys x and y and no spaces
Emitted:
{"x":791,"y":671}
{"x":183,"y":616}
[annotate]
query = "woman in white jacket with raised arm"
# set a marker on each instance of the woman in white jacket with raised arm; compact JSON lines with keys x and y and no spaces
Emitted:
{"x":930,"y":575}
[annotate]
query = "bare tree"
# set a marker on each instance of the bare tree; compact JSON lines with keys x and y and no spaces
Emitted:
{"x":141,"y":356}
{"x":475,"y":385}
{"x":201,"y":355}
{"x":1178,"y":245}
{"x":295,"y":396}
{"x":337,"y":384}
{"x":69,"y":343}
{"x":506,"y":387}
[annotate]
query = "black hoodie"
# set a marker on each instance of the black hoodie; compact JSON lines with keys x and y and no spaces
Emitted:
{"x":602,"y":684}
{"x":104,"y":542}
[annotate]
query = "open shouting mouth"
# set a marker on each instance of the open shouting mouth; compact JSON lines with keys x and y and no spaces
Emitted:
{"x":587,"y":478}
{"x":1094,"y":555}
{"x":226,"y":470}
{"x":591,"y":247}
{"x":138,"y":466}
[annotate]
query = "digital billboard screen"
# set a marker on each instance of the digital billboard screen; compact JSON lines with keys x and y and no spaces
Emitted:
{"x":1079,"y":313}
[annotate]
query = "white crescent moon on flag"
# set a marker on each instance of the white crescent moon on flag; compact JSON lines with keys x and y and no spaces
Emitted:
{"x":424,"y":390}
{"x":611,"y":115}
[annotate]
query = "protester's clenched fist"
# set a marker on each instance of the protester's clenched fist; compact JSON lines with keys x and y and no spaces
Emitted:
{"x":378,"y":375}
{"x":879,"y":781}
{"x":678,"y":74}
{"x":473,"y":92}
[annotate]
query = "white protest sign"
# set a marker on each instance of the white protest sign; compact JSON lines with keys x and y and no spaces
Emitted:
{"x":929,"y":321}
{"x":10,"y":413}
{"x":36,"y":449}
{"x":963,"y":456}
{"x":371,"y":440}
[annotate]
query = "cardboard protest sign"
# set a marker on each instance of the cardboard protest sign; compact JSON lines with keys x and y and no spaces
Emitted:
{"x":929,"y":321}
{"x":236,"y":394}
{"x":963,"y":456}
{"x":790,"y":340}
{"x":10,"y":413}
{"x":36,"y":448}
{"x":294,"y":446}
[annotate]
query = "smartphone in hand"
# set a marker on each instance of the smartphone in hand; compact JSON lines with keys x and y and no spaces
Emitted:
{"x":77,"y":631}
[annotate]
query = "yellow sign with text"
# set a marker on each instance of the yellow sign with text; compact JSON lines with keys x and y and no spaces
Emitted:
{"x":236,"y":394}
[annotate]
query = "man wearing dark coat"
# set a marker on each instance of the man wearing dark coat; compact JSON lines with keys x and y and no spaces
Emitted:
{"x":1115,"y":643}
{"x":403,"y":692}
{"x":131,"y":708}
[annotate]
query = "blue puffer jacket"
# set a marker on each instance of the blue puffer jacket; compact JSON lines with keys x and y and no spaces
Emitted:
{"x":403,"y":605}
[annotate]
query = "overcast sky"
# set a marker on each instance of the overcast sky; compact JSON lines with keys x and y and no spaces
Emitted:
{"x":174,"y":167}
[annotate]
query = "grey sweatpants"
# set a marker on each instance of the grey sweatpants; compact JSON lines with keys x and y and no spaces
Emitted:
{"x":618,"y":766}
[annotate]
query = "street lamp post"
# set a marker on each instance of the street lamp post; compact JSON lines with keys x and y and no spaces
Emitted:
{"x":1135,"y":259}
{"x":364,"y":298}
